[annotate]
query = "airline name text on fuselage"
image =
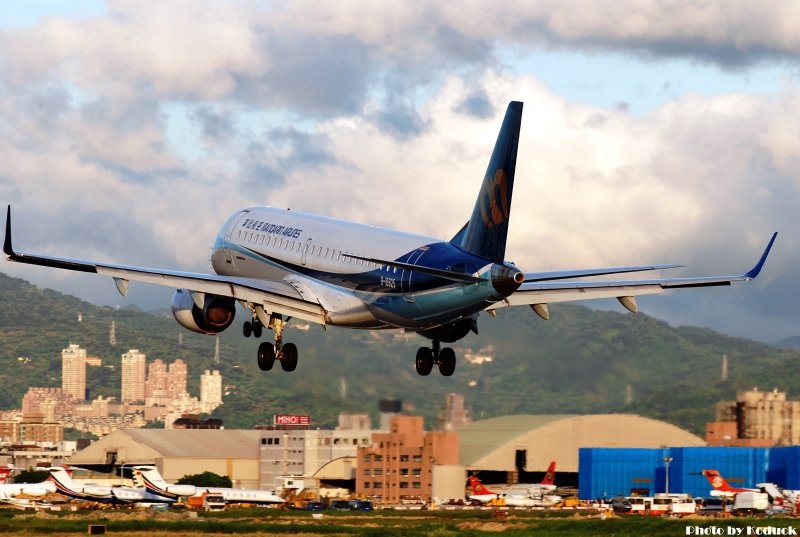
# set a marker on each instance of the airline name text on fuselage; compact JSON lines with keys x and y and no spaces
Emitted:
{"x":273,"y":229}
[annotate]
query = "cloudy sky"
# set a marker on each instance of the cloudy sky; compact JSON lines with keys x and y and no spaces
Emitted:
{"x":653,"y":132}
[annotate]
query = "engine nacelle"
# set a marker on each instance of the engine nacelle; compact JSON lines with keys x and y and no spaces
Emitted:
{"x":35,"y":490}
{"x":215,"y":316}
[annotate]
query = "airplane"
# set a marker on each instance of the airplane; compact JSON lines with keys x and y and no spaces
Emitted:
{"x":100,"y":493}
{"x":547,"y":484}
{"x":15,"y":492}
{"x":721,"y":487}
{"x":149,"y":478}
{"x":281,"y":264}
{"x":5,"y":471}
{"x":155,"y":484}
{"x":522,"y":495}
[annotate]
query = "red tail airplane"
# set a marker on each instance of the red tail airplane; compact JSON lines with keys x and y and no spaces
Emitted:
{"x":719,"y":484}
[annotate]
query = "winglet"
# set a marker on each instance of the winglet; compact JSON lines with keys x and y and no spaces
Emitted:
{"x":7,"y":244}
{"x":755,"y":270}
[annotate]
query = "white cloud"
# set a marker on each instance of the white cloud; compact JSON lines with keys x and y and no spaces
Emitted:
{"x":386,"y":113}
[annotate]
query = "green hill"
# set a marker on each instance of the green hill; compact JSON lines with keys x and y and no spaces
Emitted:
{"x":581,"y":361}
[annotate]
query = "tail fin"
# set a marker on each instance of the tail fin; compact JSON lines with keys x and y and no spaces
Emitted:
{"x":150,"y":478}
{"x":718,"y":482}
{"x":62,"y":478}
{"x":477,"y":487}
{"x":550,"y":476}
{"x":487,"y":229}
{"x":5,"y":471}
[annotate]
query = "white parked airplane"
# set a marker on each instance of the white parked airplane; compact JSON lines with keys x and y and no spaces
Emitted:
{"x":100,"y":493}
{"x":155,"y":484}
{"x":13,"y":492}
{"x":520,"y":495}
{"x":281,"y":264}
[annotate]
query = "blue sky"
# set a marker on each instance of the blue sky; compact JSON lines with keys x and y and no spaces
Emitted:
{"x":648,"y":137}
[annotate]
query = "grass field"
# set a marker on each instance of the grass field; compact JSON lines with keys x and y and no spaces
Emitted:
{"x":257,"y":522}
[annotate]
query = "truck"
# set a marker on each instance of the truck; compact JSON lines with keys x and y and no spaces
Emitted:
{"x":751,"y":502}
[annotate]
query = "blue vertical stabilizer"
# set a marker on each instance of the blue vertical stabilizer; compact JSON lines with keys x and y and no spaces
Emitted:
{"x":487,"y":229}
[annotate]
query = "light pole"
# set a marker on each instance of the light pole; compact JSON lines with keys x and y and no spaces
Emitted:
{"x":667,"y":460}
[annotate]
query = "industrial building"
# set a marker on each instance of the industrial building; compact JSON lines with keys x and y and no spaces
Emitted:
{"x":178,"y":452}
{"x":501,"y":444}
{"x":407,"y":463}
{"x":605,"y":473}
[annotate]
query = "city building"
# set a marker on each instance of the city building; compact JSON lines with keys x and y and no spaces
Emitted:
{"x":210,"y":391}
{"x":34,"y":429}
{"x":164,"y":383}
{"x":73,"y":372}
{"x":36,"y":397}
{"x":155,"y":390}
{"x":290,"y":448}
{"x":756,"y":418}
{"x":454,"y":415}
{"x":133,"y":376}
{"x":398,"y":466}
{"x":176,"y":379}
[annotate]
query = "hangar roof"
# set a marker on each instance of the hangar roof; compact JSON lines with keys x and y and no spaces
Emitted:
{"x":491,"y":444}
{"x":143,"y":446}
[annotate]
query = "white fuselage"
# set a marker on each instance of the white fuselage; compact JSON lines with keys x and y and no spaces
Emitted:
{"x":312,"y":253}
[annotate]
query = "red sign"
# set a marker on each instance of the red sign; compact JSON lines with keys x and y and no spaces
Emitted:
{"x":291,"y":419}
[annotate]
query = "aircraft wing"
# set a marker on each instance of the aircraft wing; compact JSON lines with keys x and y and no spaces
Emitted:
{"x":537,"y":292}
{"x":274,"y":296}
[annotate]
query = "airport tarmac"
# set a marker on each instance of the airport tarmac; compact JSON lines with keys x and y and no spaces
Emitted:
{"x":267,"y":522}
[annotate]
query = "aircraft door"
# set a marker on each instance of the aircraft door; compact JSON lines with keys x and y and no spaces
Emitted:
{"x":406,"y":276}
{"x":226,"y":243}
{"x":306,"y":248}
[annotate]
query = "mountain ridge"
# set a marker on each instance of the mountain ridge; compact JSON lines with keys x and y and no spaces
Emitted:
{"x":581,"y":361}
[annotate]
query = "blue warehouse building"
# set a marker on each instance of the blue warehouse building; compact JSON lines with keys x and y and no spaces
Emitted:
{"x":609,"y":472}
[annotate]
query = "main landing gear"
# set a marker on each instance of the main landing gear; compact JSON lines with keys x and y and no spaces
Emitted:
{"x":428,"y":357}
{"x":285,"y":353}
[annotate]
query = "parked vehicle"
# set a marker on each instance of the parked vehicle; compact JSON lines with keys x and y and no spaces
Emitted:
{"x":214,"y":502}
{"x":620,"y":505}
{"x":751,"y":502}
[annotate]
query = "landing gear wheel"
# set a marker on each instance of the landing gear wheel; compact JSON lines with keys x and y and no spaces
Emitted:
{"x":257,"y":329}
{"x":266,"y":356}
{"x":247,"y":329}
{"x":289,"y":360}
{"x":447,"y":361}
{"x":424,"y":361}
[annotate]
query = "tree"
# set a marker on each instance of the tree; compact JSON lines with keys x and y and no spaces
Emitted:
{"x":206,"y":479}
{"x":31,"y":476}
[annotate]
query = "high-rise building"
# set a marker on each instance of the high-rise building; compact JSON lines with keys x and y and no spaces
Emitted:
{"x":133,"y":369}
{"x":176,"y":379}
{"x":400,"y":465}
{"x":454,"y":414}
{"x":155,"y":391}
{"x":756,"y":418}
{"x":73,"y":372}
{"x":210,"y":390}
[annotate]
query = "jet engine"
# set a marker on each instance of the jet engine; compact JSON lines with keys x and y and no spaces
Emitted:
{"x":35,"y":490}
{"x":215,"y":316}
